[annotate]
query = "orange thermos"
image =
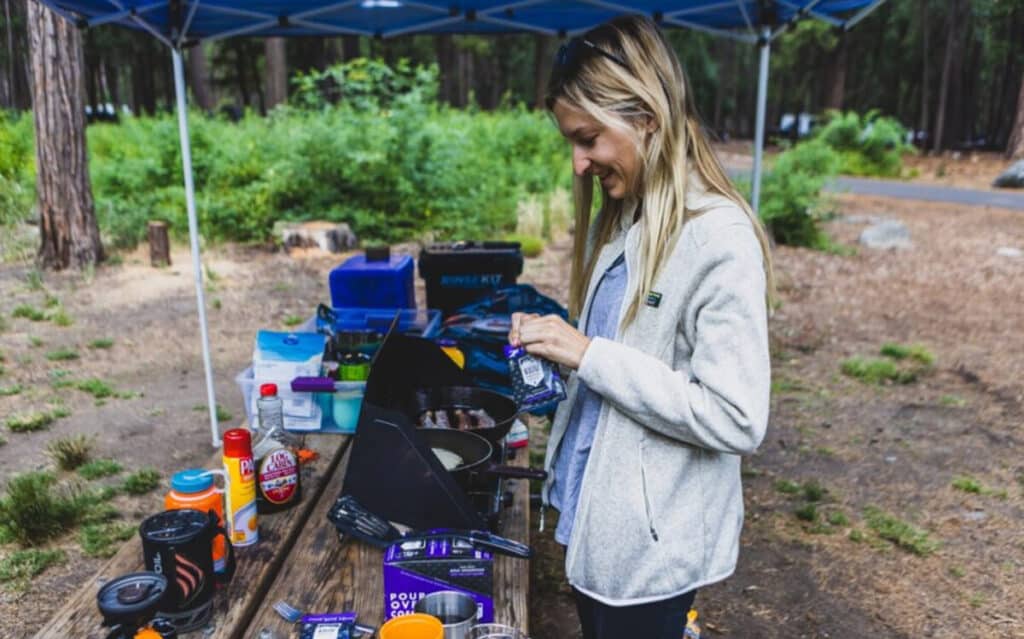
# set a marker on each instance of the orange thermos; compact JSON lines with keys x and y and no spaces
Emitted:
{"x":193,"y":488}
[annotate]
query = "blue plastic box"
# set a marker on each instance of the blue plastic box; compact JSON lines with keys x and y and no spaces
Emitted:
{"x":359,"y":282}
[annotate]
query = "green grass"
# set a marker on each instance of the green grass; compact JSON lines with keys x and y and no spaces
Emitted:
{"x":903,"y":534}
{"x":34,"y":341}
{"x":101,"y":540}
{"x":968,"y":484}
{"x":68,"y":453}
{"x":61,"y":318}
{"x":292,"y":320}
{"x":838,"y":518}
{"x":101,"y":343}
{"x":216,"y":304}
{"x":915,"y":352}
{"x":787,"y":487}
{"x":141,"y":482}
{"x":51,"y":301}
{"x":99,"y":468}
{"x":784,"y":385}
{"x":876,"y":371}
{"x":13,"y":389}
{"x":855,"y":536}
{"x":34,"y":280}
{"x":29,"y":422}
{"x":28,"y":312}
{"x":18,"y":568}
{"x":957,"y":572}
{"x":96,"y":387}
{"x":953,"y":400}
{"x":62,"y":355}
{"x":814,"y":491}
{"x":807,"y":512}
{"x":35,"y":509}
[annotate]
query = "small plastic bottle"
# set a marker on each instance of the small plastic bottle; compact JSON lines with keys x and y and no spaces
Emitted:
{"x":278,"y":480}
{"x":692,"y":629}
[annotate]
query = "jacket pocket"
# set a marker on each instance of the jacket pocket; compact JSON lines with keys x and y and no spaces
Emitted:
{"x":646,"y":495}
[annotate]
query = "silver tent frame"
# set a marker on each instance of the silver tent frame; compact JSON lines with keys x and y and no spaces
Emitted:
{"x":760,"y":35}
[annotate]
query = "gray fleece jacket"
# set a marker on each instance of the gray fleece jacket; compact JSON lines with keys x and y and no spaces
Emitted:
{"x":685,"y":389}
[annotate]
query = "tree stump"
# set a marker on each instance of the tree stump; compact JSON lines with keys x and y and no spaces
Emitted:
{"x":159,"y":245}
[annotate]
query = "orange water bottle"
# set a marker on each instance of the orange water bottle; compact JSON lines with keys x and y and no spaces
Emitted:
{"x":193,"y":488}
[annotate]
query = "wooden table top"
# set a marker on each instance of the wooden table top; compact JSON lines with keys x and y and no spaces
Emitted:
{"x":299,"y":559}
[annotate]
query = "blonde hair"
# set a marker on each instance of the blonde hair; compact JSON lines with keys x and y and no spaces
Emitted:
{"x":653,"y":89}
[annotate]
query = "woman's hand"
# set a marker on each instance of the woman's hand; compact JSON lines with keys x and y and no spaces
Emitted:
{"x":550,"y":337}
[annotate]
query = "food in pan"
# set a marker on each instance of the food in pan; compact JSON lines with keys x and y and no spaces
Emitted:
{"x":457,"y":418}
{"x":447,"y":458}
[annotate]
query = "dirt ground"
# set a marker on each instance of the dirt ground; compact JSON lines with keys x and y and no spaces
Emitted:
{"x":896,"y":447}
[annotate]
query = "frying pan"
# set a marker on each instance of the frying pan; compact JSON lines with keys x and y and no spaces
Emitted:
{"x":502,"y":409}
{"x":475,"y":452}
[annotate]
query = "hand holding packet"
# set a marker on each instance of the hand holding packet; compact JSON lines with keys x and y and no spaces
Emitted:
{"x":535,"y":381}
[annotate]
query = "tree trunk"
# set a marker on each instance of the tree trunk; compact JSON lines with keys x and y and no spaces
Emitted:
{"x":199,"y":78}
{"x":947,"y":64}
{"x":349,"y":47}
{"x":446,"y":66}
{"x":67,"y":219}
{"x":837,"y":75}
{"x":1015,"y":148}
{"x":276,"y":71}
{"x":922,"y":124}
{"x":159,"y":244}
{"x":541,"y":69}
{"x":10,"y":97}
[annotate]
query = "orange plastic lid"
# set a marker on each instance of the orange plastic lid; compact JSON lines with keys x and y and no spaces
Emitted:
{"x":414,"y":626}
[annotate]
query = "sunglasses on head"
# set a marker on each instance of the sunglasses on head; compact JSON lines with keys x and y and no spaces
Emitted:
{"x":574,"y":53}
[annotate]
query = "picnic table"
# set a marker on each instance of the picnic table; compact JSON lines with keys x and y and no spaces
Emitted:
{"x":300,"y":559}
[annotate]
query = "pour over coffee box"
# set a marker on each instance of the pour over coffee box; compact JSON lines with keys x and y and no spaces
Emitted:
{"x":418,"y":567}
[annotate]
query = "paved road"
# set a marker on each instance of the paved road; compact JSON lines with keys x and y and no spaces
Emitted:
{"x":917,"y":191}
{"x":1007,"y":199}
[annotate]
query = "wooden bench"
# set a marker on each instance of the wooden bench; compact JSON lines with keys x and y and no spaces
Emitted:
{"x":299,"y":559}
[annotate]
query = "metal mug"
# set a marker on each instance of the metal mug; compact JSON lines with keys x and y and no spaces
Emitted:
{"x":495,"y":631}
{"x":456,"y":610}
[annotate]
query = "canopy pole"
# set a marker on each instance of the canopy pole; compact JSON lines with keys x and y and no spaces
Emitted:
{"x":193,"y":234}
{"x":764,"y":43}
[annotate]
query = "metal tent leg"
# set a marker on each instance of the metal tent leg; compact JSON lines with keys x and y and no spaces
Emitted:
{"x":764,"y":43}
{"x":193,"y":234}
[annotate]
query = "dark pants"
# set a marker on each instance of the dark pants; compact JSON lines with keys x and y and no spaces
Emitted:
{"x":664,"y":619}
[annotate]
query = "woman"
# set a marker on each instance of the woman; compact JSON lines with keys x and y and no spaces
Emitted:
{"x":670,"y":284}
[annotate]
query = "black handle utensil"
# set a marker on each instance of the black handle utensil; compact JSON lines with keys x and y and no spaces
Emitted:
{"x":352,"y":519}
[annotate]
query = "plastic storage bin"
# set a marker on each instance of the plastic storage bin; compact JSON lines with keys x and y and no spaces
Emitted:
{"x":376,"y":279}
{"x":461,"y":272}
{"x":339,"y":411}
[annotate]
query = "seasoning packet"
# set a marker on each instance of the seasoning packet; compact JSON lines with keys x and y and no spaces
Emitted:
{"x":535,"y":381}
{"x":327,"y":626}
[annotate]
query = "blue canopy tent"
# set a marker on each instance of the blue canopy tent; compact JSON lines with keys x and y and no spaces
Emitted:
{"x":183,"y":23}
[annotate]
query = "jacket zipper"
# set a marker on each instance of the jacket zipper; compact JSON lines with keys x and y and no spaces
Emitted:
{"x":647,"y":501}
{"x":585,"y":322}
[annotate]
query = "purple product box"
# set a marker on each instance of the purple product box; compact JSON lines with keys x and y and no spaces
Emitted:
{"x":416,"y":568}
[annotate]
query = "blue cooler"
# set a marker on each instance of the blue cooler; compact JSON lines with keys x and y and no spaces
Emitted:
{"x":376,"y":279}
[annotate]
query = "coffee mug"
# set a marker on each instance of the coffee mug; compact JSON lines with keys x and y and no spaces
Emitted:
{"x":178,"y":544}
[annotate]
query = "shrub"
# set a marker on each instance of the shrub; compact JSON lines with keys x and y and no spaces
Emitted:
{"x":791,"y":206}
{"x":869,"y":145}
{"x":530,"y":245}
